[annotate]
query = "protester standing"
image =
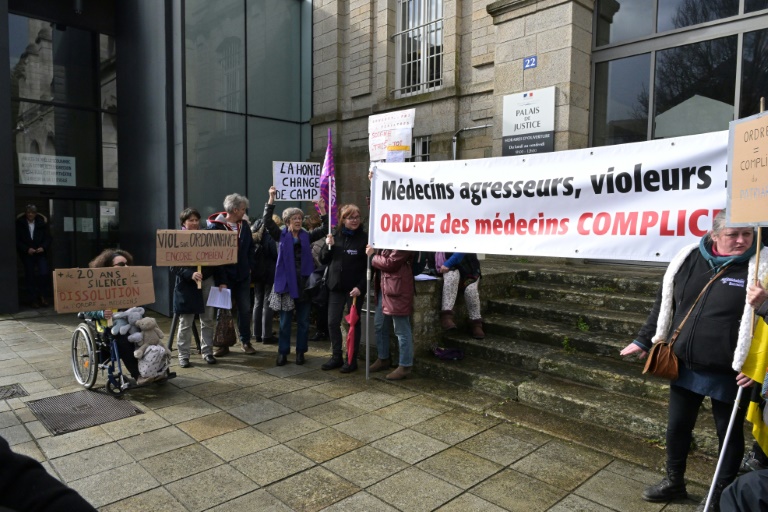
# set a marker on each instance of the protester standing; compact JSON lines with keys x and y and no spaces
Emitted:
{"x":263,"y":277}
{"x":345,"y":255}
{"x":394,"y":286}
{"x":237,"y":276}
{"x":711,"y":347}
{"x":190,"y":297}
{"x":293,"y":268}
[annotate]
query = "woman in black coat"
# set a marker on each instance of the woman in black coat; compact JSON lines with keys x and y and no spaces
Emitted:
{"x":189,"y":300}
{"x":345,"y":255}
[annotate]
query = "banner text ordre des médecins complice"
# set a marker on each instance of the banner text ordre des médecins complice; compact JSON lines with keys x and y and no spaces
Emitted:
{"x":640,"y":201}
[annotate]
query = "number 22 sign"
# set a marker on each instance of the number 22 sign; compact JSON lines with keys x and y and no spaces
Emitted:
{"x":530,"y":62}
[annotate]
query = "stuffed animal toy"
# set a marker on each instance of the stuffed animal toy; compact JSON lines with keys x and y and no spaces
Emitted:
{"x":124,"y":322}
{"x":150,"y":335}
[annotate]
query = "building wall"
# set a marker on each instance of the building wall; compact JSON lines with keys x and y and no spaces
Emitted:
{"x":484,"y":45}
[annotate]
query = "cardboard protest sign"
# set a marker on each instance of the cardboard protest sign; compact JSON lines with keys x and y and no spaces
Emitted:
{"x":296,"y":181}
{"x":195,"y":247}
{"x":91,"y":289}
{"x":747,"y":176}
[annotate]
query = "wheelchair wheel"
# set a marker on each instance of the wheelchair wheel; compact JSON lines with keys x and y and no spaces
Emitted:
{"x":85,"y":364}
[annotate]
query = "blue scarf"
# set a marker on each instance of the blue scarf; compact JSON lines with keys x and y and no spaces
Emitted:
{"x":285,"y":270}
{"x":718,"y":262}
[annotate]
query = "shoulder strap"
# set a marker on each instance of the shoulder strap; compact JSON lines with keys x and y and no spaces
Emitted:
{"x":701,"y":293}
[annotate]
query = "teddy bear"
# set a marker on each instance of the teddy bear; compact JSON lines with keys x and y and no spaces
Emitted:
{"x":149,"y":335}
{"x":124,"y":322}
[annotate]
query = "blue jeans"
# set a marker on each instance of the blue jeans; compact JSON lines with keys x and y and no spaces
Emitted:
{"x":302,"y":328}
{"x":402,"y":331}
{"x":241,"y":294}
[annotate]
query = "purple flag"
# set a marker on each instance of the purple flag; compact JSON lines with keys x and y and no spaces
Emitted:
{"x":328,"y":183}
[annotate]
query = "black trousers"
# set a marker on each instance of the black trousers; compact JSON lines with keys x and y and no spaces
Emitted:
{"x":125,"y":350}
{"x":683,"y":412}
{"x":337,"y":303}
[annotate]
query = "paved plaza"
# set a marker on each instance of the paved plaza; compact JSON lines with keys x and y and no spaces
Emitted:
{"x":246,"y":435}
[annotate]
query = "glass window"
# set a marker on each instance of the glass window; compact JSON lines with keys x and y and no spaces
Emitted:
{"x":215,"y":158}
{"x":109,"y":149}
{"x":623,"y":21}
{"x":754,"y":72}
{"x":621,"y":100}
{"x":695,"y":88}
{"x":755,"y":5}
{"x":215,"y":60}
{"x":674,"y":14}
{"x":419,"y":40}
{"x":269,"y":141}
{"x":67,"y":141}
{"x":420,"y":151}
{"x":52,"y":62}
{"x":274,"y":51}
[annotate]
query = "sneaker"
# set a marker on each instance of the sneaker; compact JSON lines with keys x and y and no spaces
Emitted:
{"x":750,"y":463}
{"x":184,"y":363}
{"x":248,"y":349}
{"x":210,"y":359}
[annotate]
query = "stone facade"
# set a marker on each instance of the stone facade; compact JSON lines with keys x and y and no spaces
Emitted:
{"x":484,"y":43}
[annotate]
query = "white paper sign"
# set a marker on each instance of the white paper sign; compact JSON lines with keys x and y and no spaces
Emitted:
{"x":390,"y":129}
{"x":69,"y":224}
{"x":641,"y":201}
{"x":47,"y":170}
{"x":221,"y":299}
{"x":296,"y":181}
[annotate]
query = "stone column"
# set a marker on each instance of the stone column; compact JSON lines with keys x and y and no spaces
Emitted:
{"x":559,"y":34}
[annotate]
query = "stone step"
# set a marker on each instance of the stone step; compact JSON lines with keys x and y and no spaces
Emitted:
{"x":572,"y":315}
{"x":556,"y":335}
{"x":596,"y":371}
{"x":574,"y":294}
{"x":478,"y":374}
{"x":644,"y":418}
{"x":613,"y":278}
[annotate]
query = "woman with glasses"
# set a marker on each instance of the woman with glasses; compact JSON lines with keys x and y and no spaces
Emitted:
{"x":345,"y":256}
{"x":294,"y":266}
{"x":115,"y":258}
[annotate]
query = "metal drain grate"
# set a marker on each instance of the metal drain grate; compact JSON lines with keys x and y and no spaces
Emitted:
{"x":12,"y":391}
{"x":79,"y":410}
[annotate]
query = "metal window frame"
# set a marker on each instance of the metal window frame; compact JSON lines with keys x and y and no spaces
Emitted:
{"x":419,"y":17}
{"x":737,"y":25}
{"x":416,"y":152}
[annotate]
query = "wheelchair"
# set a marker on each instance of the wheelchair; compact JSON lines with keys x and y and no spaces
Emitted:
{"x":93,"y":351}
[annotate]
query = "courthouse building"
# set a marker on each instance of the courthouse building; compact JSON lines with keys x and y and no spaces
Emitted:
{"x":117,"y":114}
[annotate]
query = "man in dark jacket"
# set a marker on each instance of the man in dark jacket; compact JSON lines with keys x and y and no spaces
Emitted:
{"x":237,"y":277}
{"x":32,"y":242}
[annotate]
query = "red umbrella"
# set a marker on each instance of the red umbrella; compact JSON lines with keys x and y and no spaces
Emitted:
{"x":351,"y":319}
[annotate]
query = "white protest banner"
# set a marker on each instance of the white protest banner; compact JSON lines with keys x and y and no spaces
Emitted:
{"x":640,"y":201}
{"x":296,"y":181}
{"x":47,"y":170}
{"x":390,"y":129}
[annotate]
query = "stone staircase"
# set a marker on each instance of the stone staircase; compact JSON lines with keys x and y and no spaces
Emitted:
{"x":553,"y":336}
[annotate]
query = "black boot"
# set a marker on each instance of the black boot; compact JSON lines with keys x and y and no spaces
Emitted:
{"x":300,"y":358}
{"x":670,"y":488}
{"x":714,"y":504}
{"x":333,"y":362}
{"x":281,"y":359}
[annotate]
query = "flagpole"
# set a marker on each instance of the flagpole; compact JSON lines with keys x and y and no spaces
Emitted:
{"x":368,"y":292}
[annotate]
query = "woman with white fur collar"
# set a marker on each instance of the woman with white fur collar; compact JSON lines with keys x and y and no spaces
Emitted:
{"x":711,"y":347}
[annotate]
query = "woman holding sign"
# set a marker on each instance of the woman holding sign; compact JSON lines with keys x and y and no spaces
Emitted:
{"x":115,"y":258}
{"x":703,"y":301}
{"x":294,"y":266}
{"x":190,"y":296}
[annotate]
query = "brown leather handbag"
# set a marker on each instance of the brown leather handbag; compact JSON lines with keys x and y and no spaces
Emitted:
{"x":662,"y":361}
